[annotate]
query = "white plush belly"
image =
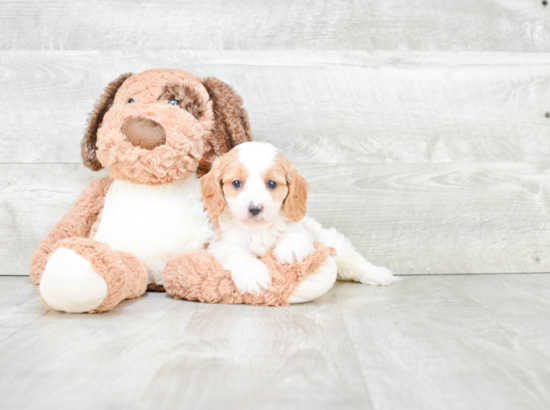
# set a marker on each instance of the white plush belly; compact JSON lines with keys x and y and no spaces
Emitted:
{"x":154,"y":223}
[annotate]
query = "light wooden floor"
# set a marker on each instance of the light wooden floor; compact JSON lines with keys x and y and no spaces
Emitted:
{"x":426,"y":342}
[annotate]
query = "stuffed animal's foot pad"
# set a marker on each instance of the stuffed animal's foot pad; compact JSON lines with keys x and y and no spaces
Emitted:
{"x":376,"y":276}
{"x":70,"y":283}
{"x":83,"y":275}
{"x":315,"y":286}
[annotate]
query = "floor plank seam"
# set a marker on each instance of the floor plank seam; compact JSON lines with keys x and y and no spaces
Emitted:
{"x":363,"y":379}
{"x":471,"y":274}
{"x":24,"y":327}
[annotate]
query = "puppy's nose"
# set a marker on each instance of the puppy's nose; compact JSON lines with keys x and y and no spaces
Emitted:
{"x":255,"y":210}
{"x":143,"y":132}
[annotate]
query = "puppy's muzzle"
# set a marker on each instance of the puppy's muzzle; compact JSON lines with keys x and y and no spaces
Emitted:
{"x":144,"y":133}
{"x":255,"y":210}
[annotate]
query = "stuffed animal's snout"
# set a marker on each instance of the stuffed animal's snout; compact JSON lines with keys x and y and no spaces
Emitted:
{"x":162,"y":126}
{"x":143,"y":132}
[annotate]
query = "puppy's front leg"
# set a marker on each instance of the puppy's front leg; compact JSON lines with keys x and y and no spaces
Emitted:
{"x":249,"y":273}
{"x":294,"y":246}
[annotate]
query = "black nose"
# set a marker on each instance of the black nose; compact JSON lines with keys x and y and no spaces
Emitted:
{"x":255,"y":210}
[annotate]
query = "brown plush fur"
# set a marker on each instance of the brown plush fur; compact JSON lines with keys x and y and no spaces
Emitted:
{"x":295,"y":204}
{"x":232,"y":126}
{"x":125,"y":275}
{"x":89,"y":142}
{"x":199,"y":276}
{"x":207,"y":122}
{"x":179,"y":156}
{"x":77,"y":222}
{"x":187,"y":98}
{"x":212,"y":183}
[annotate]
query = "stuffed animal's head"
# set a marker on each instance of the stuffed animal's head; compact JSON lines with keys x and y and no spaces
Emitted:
{"x":163,"y":125}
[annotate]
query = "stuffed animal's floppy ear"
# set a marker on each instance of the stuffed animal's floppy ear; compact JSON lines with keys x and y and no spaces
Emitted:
{"x":295,"y":203}
{"x":212,"y":192}
{"x":232,"y":125}
{"x":89,"y":142}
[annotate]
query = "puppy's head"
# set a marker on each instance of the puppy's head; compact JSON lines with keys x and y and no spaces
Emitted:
{"x":255,"y":181}
{"x":162,"y":125}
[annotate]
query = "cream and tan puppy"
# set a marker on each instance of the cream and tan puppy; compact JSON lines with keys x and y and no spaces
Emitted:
{"x":257,"y":201}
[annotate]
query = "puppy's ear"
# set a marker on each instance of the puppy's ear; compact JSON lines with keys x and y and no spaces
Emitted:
{"x":232,"y":125}
{"x":89,"y":142}
{"x":212,"y":192}
{"x":295,"y":203}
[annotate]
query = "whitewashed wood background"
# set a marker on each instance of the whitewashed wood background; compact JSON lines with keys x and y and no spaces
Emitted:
{"x":420,"y":124}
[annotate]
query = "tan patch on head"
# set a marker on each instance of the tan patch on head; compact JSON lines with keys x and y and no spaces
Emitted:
{"x":233,"y":171}
{"x":218,"y":182}
{"x":295,"y":199}
{"x":278,"y":173}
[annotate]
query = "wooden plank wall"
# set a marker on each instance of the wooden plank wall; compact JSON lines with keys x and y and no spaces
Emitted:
{"x":420,"y":125}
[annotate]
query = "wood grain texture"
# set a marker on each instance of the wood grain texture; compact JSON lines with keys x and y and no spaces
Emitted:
{"x":426,"y":342}
{"x":413,"y":218}
{"x":470,"y":25}
{"x":157,"y":352}
{"x":326,"y":107}
{"x":19,"y":305}
{"x":453,"y":342}
{"x":439,"y":218}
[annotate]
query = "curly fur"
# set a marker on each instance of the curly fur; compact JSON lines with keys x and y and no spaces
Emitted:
{"x":125,"y":275}
{"x":78,"y":222}
{"x":232,"y":126}
{"x":199,"y":276}
{"x":89,"y":142}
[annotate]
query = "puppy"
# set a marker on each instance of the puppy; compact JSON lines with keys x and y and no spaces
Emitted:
{"x":257,"y":202}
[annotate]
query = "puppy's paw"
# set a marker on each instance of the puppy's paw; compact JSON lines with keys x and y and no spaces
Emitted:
{"x":293,"y":247}
{"x":376,"y":276}
{"x":251,"y":276}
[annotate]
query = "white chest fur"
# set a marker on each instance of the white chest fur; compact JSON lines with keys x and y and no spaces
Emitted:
{"x":256,"y":241}
{"x":155,"y":223}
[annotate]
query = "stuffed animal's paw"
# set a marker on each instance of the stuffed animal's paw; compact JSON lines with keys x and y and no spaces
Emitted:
{"x":376,"y":276}
{"x":293,"y":247}
{"x":249,"y":275}
{"x":70,"y":283}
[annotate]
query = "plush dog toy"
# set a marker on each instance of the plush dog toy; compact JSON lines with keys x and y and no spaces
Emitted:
{"x":156,"y":132}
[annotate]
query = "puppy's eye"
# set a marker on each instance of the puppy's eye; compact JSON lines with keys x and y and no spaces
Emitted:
{"x":271,"y":184}
{"x":173,"y":102}
{"x":237,"y":184}
{"x":131,"y":100}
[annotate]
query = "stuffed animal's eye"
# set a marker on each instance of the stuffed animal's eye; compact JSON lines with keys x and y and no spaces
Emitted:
{"x":237,"y":184}
{"x":271,"y":184}
{"x":131,"y":100}
{"x":173,"y":102}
